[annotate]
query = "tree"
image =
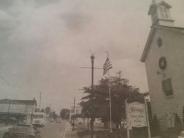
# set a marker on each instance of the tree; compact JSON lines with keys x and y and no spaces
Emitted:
{"x":96,"y":103}
{"x":53,"y":115}
{"x":89,"y":105}
{"x":65,"y":113}
{"x":47,"y":110}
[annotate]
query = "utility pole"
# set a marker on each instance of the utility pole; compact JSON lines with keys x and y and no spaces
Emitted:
{"x":92,"y":86}
{"x":40,"y":100}
{"x":92,"y":58}
{"x":92,"y":71}
{"x":74,"y":113}
{"x":74,"y":105}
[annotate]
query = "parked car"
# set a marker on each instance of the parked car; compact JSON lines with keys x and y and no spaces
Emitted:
{"x":22,"y":131}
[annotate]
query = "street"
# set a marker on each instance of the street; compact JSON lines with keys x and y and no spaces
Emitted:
{"x":55,"y":130}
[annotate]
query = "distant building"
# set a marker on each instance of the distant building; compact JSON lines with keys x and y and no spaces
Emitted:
{"x":76,"y":110}
{"x":163,"y":56}
{"x":17,"y":108}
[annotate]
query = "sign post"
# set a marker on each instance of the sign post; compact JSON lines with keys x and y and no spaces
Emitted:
{"x":147,"y":118}
{"x":127,"y":120}
{"x":137,"y":116}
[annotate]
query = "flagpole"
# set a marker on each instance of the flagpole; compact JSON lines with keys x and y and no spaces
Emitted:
{"x":107,"y":66}
{"x":110,"y":104}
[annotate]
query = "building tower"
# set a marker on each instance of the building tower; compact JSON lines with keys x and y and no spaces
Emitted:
{"x":163,"y":57}
{"x":160,"y":13}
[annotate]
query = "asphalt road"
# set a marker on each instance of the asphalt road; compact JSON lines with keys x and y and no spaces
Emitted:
{"x":54,"y":130}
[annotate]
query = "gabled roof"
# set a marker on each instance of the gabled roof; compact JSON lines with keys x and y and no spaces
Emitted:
{"x":152,"y":33}
{"x":165,"y":4}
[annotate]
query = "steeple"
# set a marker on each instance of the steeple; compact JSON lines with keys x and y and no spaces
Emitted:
{"x":160,"y":13}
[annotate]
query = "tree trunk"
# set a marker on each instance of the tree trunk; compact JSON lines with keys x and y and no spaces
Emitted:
{"x":92,"y":126}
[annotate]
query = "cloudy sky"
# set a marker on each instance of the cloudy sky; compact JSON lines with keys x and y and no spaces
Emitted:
{"x":43,"y":44}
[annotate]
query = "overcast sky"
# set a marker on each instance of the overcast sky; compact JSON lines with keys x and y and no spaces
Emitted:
{"x":43,"y":44}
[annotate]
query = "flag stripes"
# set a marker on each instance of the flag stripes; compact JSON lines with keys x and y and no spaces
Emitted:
{"x":107,"y":66}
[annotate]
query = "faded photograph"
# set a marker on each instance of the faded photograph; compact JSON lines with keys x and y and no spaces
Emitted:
{"x":91,"y":69}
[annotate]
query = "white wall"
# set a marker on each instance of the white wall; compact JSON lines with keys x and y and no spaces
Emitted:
{"x":173,"y":50}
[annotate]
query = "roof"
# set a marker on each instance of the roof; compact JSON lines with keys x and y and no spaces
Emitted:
{"x":165,"y":4}
{"x":11,"y":101}
{"x":150,"y":37}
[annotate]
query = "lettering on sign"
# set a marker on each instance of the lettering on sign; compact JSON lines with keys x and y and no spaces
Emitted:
{"x":136,"y":115}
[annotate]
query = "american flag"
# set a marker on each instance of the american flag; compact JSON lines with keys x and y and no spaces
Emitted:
{"x":107,"y":66}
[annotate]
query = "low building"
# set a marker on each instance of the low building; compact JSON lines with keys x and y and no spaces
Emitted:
{"x":18,"y":109}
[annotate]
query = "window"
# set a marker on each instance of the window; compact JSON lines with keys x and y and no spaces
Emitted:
{"x":159,"y":42}
{"x":167,"y":87}
{"x":162,"y":63}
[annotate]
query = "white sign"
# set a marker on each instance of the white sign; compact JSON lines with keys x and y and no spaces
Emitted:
{"x":136,"y":115}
